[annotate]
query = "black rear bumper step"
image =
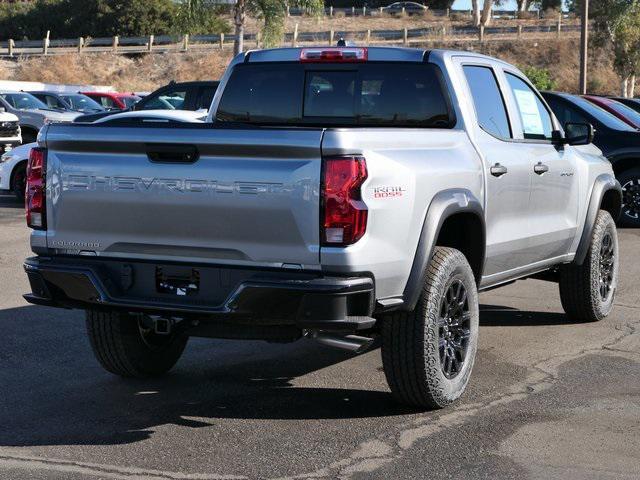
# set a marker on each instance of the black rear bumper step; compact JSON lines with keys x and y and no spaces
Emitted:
{"x":309,"y":301}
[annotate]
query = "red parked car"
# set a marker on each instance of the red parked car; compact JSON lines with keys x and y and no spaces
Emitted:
{"x":113,"y":100}
{"x":627,"y":114}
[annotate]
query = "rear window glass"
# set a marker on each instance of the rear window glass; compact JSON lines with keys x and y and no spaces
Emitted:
{"x":399,"y":94}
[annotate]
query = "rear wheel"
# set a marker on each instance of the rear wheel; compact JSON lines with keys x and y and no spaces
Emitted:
{"x":630,"y":181}
{"x":127,"y":345}
{"x":428,"y":353}
{"x":588,"y":291}
{"x":19,"y":181}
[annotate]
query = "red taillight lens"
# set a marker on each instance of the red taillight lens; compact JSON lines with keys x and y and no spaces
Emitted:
{"x":344,"y":217}
{"x":35,"y":192}
{"x":334,"y":55}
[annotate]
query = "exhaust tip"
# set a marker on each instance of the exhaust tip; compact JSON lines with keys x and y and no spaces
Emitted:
{"x":350,"y":343}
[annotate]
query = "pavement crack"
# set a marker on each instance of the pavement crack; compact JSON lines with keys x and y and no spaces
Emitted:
{"x":378,"y":452}
{"x":102,"y":471}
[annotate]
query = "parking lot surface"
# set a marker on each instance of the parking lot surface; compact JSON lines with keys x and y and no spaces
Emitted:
{"x":547,"y":399}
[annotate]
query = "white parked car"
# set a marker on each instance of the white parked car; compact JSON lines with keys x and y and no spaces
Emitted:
{"x":13,"y":169}
{"x":10,"y":133}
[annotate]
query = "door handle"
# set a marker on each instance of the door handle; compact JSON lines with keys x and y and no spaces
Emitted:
{"x":540,"y":168}
{"x":498,"y":170}
{"x":171,"y":153}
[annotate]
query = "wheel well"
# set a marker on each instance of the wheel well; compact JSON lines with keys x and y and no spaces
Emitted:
{"x":27,"y":128}
{"x":19,"y":165}
{"x":612,"y":203}
{"x":465,"y":232}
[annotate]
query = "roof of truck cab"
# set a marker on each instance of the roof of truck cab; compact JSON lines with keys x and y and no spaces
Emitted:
{"x":379,"y":54}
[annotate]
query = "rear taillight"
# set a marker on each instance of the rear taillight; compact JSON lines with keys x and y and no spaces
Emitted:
{"x":334,"y":55}
{"x":344,"y":215}
{"x":35,"y":201}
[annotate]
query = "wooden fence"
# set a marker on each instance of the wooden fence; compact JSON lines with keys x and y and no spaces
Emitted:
{"x":167,"y":43}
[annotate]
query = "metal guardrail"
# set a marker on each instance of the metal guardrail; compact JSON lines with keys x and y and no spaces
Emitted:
{"x":164,"y":43}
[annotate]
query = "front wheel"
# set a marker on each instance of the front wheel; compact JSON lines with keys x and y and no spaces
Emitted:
{"x":588,"y":291}
{"x":630,"y":181}
{"x":428,"y":353}
{"x":126,"y":344}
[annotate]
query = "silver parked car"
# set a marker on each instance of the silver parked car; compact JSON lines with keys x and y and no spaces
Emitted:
{"x":32,"y":113}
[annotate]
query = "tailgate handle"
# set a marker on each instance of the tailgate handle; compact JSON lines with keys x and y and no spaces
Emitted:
{"x":166,"y":153}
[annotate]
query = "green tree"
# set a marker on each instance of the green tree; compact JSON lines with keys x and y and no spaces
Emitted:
{"x":617,"y":22}
{"x":103,"y":18}
{"x":550,"y":4}
{"x":540,"y":77}
{"x":199,"y":16}
{"x":273,"y":14}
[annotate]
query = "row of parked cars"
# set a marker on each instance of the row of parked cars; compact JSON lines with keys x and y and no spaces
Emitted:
{"x":616,"y":122}
{"x":22,"y":115}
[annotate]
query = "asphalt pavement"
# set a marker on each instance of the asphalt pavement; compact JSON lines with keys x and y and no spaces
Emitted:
{"x":548,"y":399}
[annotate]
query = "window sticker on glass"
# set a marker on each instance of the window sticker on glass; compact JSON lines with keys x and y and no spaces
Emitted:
{"x":531,"y":121}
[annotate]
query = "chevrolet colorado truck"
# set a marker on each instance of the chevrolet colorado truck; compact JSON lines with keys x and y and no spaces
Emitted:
{"x":341,"y":194}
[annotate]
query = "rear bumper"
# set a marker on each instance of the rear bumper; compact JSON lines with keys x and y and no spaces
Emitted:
{"x":242,"y":297}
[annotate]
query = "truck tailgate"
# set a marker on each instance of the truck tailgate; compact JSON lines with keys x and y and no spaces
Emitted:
{"x":250,"y":198}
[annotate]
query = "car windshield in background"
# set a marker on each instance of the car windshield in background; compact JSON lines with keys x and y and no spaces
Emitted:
{"x":23,"y":101}
{"x":408,"y":95}
{"x":130,"y":101}
{"x":608,"y":120}
{"x":83,"y":103}
{"x":167,"y":101}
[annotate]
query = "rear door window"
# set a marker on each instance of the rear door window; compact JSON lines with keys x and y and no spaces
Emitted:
{"x":488,"y":101}
{"x":402,"y":94}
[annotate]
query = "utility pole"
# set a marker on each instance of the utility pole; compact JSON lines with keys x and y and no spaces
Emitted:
{"x":584,"y":44}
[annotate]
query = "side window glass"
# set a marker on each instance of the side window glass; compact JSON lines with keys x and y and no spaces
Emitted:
{"x":536,"y":121}
{"x":170,"y":100}
{"x":490,"y":109}
{"x":206,"y":97}
{"x":53,"y":102}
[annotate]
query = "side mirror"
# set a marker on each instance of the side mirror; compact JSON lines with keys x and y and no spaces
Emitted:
{"x":2,"y":109}
{"x":578,"y":133}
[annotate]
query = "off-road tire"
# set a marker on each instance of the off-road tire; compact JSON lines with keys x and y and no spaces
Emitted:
{"x":580,"y":284}
{"x":119,"y":346}
{"x":630,"y":181}
{"x":411,"y":355}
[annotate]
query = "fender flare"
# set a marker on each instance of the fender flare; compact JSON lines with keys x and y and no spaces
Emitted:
{"x":603,"y":183}
{"x":443,"y":205}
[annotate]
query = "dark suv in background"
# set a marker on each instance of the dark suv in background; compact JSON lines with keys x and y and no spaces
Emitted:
{"x":619,"y":142}
{"x":175,"y":96}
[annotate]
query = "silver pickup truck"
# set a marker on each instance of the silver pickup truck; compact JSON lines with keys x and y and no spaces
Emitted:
{"x":342,"y":194}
